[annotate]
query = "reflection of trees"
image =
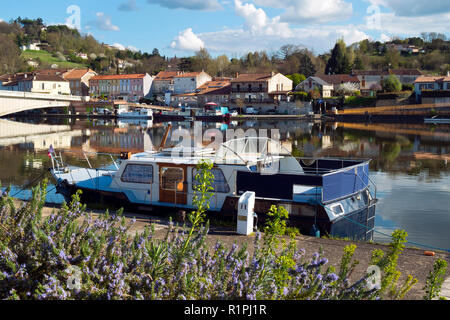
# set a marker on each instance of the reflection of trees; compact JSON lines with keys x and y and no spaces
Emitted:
{"x":390,"y":151}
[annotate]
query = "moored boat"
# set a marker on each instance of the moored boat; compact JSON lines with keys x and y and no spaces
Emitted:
{"x":135,"y":114}
{"x":334,"y":196}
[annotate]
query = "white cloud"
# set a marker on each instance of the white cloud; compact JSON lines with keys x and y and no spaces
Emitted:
{"x":414,"y":8}
{"x":385,"y":38}
{"x":187,"y":41}
{"x":203,"y":5}
{"x":412,"y":26}
{"x":261,"y":32}
{"x":103,"y":22}
{"x":122,"y":47}
{"x":240,"y":41}
{"x":258,"y":23}
{"x":307,"y":11}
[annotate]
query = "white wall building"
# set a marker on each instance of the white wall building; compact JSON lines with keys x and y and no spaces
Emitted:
{"x":190,"y":82}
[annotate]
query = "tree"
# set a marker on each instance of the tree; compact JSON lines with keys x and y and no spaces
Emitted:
{"x":392,"y":58}
{"x":307,"y":67}
{"x":358,"y":63}
{"x":10,"y":61}
{"x":296,"y":78}
{"x":222,"y":63}
{"x":339,"y":62}
{"x":155,"y":52}
{"x":392,"y":84}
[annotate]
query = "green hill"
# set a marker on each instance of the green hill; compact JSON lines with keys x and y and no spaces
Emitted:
{"x":46,"y":59}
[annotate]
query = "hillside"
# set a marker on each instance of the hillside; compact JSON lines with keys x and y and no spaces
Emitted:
{"x":46,"y":60}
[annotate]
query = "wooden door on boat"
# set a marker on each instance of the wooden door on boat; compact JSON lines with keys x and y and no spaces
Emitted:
{"x":173,"y":185}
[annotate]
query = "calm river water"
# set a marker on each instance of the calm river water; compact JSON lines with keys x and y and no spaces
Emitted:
{"x":409,"y":161}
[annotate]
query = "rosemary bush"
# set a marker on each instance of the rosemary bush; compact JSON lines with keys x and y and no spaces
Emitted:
{"x":73,"y":255}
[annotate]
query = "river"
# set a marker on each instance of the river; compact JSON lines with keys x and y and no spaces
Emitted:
{"x":409,"y":161}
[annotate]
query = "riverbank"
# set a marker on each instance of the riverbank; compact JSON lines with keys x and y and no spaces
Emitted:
{"x":411,"y":262}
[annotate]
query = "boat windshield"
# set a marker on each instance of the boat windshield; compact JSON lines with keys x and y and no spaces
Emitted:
{"x":251,"y":151}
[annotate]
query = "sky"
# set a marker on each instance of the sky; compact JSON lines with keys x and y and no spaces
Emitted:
{"x":235,"y":27}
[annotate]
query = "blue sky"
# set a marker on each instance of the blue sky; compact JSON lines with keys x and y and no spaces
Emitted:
{"x":234,"y":27}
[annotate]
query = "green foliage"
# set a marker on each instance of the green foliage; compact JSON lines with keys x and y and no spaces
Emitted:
{"x":392,"y":84}
{"x":435,"y":279}
{"x":388,"y":265}
{"x":296,"y":78}
{"x":202,"y":195}
{"x":339,"y":63}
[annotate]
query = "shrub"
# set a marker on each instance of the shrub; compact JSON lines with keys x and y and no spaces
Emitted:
{"x":392,"y":84}
{"x":73,"y":255}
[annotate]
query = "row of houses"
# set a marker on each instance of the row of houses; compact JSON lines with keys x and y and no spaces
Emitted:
{"x":365,"y":81}
{"x":177,"y":88}
{"x":79,"y":82}
{"x":265,"y":90}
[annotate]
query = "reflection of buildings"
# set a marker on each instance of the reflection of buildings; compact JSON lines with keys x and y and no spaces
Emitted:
{"x":37,"y":137}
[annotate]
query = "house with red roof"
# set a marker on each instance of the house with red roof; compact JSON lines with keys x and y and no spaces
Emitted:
{"x":79,"y":81}
{"x":36,"y":82}
{"x":189,"y":82}
{"x":432,"y":89}
{"x":260,"y":90}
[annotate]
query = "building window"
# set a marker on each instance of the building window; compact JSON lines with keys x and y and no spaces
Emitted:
{"x":135,"y":173}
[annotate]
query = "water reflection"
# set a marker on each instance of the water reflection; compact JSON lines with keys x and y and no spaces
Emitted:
{"x":409,"y":161}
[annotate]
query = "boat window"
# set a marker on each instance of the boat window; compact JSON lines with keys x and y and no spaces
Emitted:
{"x":219,"y":184}
{"x":337,"y":209}
{"x":172,"y":179}
{"x":137,"y":173}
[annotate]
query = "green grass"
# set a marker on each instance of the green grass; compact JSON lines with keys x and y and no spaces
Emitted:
{"x":353,"y":102}
{"x":47,"y":59}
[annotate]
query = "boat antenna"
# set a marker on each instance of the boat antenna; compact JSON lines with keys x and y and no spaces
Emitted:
{"x":166,"y":135}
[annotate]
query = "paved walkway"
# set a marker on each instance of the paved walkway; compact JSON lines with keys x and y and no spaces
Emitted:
{"x":445,"y":292}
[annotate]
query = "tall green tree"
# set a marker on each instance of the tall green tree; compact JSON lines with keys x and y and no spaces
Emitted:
{"x":339,"y":62}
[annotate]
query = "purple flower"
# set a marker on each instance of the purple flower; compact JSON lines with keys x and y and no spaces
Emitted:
{"x":332,"y":277}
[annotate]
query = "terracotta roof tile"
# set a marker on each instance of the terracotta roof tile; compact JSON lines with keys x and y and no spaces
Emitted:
{"x":166,"y":75}
{"x":77,"y":73}
{"x":338,"y":78}
{"x":253,"y":77}
{"x":220,"y":87}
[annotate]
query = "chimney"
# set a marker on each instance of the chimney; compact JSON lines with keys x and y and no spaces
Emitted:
{"x":237,"y":75}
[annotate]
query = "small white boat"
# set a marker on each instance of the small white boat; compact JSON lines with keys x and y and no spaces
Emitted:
{"x":437,"y":120}
{"x":135,"y":114}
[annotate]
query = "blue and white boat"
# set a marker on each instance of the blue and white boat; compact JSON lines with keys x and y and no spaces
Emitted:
{"x":135,"y":114}
{"x":334,"y":196}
